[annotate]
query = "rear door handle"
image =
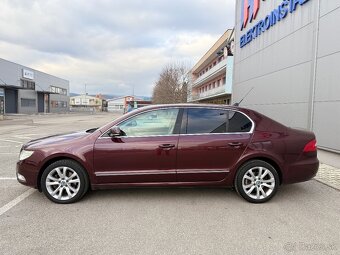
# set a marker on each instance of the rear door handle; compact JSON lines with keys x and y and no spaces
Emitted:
{"x":166,"y":146}
{"x":235,"y":144}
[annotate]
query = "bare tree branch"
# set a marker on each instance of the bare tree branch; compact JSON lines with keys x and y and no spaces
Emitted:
{"x":171,"y":86}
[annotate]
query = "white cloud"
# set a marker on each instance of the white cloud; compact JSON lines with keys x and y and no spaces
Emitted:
{"x":110,"y":45}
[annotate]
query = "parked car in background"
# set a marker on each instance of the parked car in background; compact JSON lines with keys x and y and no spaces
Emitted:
{"x":172,"y":145}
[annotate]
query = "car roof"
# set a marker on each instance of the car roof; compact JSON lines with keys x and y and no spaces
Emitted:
{"x":192,"y":105}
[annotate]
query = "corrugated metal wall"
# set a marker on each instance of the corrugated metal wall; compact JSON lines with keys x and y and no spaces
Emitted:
{"x":293,"y":68}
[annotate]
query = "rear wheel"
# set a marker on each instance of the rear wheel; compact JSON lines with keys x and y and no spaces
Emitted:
{"x":64,"y":181}
{"x":257,"y":181}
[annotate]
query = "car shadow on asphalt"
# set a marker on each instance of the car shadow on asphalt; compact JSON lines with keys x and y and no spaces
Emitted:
{"x":285,"y":193}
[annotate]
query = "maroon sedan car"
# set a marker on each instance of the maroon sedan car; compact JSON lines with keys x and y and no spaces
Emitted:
{"x":172,"y":145}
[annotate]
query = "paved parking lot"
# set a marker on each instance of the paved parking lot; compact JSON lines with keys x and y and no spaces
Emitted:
{"x":301,"y":219}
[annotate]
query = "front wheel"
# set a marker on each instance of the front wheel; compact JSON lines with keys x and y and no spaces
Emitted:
{"x":64,"y":181}
{"x":257,"y":181}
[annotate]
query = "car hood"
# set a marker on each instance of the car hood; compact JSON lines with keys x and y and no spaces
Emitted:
{"x":57,"y":139}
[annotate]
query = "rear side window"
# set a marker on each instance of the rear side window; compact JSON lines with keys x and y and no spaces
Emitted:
{"x":204,"y":121}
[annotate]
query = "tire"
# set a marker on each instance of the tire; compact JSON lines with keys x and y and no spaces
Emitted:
{"x":257,"y":181}
{"x":64,"y":181}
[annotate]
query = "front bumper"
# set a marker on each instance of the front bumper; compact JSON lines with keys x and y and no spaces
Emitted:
{"x":27,"y":173}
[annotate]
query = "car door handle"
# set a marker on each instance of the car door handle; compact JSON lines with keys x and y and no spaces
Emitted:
{"x":166,"y":146}
{"x":235,"y":144}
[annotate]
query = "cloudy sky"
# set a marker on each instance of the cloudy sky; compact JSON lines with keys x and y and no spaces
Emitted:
{"x":111,"y":45}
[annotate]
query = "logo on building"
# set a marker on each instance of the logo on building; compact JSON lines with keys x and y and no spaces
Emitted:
{"x":27,"y":74}
{"x":249,"y":10}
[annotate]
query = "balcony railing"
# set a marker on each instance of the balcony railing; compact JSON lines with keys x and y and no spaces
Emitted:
{"x":210,"y":73}
{"x":209,"y":93}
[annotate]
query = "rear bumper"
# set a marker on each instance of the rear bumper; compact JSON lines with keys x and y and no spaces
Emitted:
{"x":301,"y":171}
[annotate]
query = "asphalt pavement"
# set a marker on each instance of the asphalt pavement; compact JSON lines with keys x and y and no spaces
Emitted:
{"x":301,"y":219}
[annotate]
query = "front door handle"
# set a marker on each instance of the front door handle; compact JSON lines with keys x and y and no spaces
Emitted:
{"x":235,"y":144}
{"x":166,"y":146}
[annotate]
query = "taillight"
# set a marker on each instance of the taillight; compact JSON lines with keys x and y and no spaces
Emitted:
{"x":310,"y":147}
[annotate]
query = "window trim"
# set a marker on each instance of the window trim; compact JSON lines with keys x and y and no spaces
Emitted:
{"x":225,"y":133}
{"x":183,"y":121}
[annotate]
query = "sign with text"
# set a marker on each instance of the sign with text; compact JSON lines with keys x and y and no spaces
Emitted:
{"x":249,"y":10}
{"x":27,"y":74}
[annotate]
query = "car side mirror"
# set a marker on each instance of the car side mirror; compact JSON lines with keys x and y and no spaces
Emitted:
{"x":115,"y":131}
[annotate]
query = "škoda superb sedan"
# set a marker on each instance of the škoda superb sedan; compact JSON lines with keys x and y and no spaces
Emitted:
{"x":182,"y":145}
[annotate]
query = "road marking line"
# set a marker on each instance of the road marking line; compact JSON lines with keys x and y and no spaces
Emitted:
{"x":11,"y":141}
{"x":22,"y":137}
{"x":16,"y":201}
{"x":7,"y":178}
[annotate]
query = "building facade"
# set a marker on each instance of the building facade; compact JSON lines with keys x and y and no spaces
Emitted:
{"x":86,"y":103}
{"x":288,"y":52}
{"x":126,"y":103}
{"x":119,"y":104}
{"x":29,"y":91}
{"x":211,"y":77}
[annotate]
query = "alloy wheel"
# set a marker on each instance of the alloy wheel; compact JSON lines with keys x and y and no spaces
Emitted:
{"x":62,"y":183}
{"x":258,"y":183}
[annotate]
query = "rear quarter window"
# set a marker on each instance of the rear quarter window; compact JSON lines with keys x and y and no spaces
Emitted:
{"x":238,"y":122}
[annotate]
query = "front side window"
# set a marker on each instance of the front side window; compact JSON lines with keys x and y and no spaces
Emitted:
{"x":210,"y":121}
{"x":158,"y":122}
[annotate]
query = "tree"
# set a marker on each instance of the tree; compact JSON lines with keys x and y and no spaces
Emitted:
{"x":171,"y":86}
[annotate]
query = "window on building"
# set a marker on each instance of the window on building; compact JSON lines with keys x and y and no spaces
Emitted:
{"x":58,"y":90}
{"x":58,"y":104}
{"x":25,"y":102}
{"x":28,"y":84}
{"x":224,"y":80}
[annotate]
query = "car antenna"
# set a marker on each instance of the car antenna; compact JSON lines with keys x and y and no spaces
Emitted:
{"x":238,"y":104}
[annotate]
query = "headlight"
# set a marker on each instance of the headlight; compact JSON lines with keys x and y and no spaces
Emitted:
{"x":25,"y":154}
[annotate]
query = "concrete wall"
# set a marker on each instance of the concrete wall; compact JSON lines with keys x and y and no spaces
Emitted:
{"x":293,"y":68}
{"x":326,"y":121}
